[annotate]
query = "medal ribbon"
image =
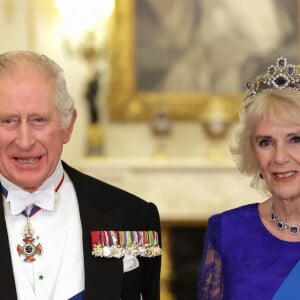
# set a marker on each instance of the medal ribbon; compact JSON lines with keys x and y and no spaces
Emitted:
{"x":30,"y":249}
{"x":112,"y":243}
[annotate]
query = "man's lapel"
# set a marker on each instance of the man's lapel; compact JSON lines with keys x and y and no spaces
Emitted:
{"x":103,"y":276}
{"x":7,"y":282}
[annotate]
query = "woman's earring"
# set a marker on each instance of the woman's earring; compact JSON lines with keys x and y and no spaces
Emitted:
{"x":261,"y":176}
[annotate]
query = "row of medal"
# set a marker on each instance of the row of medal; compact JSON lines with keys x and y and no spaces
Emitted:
{"x":117,"y":244}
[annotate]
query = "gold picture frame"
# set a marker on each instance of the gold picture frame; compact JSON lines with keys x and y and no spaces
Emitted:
{"x":127,"y":103}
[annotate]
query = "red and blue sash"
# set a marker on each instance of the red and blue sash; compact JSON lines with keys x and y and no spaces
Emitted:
{"x":79,"y":296}
{"x":290,"y":288}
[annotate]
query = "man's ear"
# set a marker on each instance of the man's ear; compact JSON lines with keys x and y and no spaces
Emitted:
{"x":68,"y":131}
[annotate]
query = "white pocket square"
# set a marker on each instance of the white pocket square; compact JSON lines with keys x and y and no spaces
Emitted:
{"x":130,"y":263}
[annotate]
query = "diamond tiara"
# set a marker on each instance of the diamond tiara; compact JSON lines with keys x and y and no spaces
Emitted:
{"x":279,"y":76}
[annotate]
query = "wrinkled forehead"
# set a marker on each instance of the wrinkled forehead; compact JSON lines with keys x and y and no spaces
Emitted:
{"x":21,"y":74}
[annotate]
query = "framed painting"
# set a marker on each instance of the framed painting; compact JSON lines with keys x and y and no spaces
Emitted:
{"x":178,"y":56}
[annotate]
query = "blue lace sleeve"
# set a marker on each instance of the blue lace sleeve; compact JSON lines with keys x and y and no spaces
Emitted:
{"x":210,"y":281}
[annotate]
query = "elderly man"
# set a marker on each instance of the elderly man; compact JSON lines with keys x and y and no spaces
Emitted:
{"x":64,"y":235}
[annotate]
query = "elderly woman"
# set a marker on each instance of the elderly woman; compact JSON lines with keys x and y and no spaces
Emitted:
{"x":253,"y":251}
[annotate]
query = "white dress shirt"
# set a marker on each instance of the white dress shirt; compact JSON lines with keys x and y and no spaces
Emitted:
{"x":58,"y":272}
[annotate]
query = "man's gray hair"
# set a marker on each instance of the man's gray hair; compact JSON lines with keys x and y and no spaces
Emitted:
{"x":14,"y":61}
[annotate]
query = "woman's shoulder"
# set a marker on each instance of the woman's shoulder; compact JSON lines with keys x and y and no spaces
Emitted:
{"x":246,"y":214}
{"x":241,"y":213}
{"x":232,"y":224}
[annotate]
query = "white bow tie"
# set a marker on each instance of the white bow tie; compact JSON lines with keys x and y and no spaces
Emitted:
{"x":19,"y":199}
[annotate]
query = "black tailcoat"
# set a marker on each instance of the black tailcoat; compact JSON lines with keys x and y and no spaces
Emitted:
{"x":102,"y":207}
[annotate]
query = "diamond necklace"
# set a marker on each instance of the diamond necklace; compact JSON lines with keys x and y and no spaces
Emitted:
{"x":292,"y":229}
